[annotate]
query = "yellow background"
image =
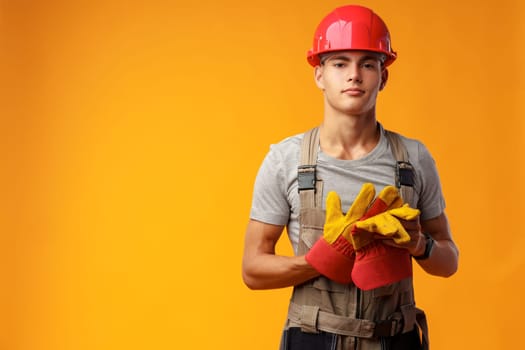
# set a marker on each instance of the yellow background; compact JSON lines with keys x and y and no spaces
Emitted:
{"x":131,"y":132}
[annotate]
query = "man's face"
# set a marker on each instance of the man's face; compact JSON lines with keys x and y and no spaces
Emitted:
{"x":351,"y":80}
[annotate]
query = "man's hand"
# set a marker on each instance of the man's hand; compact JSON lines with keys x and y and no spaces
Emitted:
{"x":414,"y":242}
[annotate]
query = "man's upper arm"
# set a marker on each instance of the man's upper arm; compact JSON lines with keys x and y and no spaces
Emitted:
{"x":261,"y":238}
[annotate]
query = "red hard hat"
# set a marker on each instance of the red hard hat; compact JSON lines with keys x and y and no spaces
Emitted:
{"x":351,"y":27}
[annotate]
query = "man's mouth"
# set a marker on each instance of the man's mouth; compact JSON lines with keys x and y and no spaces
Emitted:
{"x":353,"y":91}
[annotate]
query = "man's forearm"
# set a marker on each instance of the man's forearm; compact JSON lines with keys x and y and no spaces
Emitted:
{"x":269,"y":271}
{"x":443,"y":261}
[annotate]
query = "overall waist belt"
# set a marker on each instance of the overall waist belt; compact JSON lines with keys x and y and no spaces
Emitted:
{"x":311,"y":319}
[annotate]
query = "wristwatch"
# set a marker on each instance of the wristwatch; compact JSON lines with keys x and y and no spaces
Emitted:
{"x":428,"y":248}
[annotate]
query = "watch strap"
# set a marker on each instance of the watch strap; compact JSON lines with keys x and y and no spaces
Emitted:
{"x":428,"y":248}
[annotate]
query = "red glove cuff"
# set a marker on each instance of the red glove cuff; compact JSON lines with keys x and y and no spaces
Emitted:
{"x":378,"y":265}
{"x":334,"y":261}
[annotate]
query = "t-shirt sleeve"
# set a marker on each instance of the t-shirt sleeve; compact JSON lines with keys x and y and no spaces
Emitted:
{"x":269,"y":202}
{"x":431,"y":200}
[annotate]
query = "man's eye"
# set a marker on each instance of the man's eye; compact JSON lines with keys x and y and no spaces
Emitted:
{"x":368,"y":65}
{"x":339,"y":64}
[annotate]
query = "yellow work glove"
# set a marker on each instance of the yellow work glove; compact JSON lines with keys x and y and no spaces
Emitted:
{"x":378,"y":264}
{"x":388,"y":225}
{"x":388,"y":198}
{"x":333,"y":254}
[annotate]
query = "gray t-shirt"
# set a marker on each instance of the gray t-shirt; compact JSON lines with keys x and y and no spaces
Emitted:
{"x":276,"y":198}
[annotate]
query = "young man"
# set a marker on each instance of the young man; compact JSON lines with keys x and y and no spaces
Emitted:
{"x":352,"y":273}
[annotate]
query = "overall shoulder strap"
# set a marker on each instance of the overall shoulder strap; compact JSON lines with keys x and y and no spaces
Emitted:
{"x":310,"y":190}
{"x":405,"y":174}
{"x":310,"y":147}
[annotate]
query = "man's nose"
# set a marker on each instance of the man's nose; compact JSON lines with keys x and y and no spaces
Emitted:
{"x":354,"y":73}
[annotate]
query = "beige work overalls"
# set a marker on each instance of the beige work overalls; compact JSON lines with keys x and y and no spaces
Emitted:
{"x":360,"y":319}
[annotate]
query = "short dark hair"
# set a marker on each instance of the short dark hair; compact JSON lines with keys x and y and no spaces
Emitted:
{"x":325,"y":55}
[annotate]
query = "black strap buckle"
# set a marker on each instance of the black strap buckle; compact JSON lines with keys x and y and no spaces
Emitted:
{"x":404,"y":174}
{"x":306,"y":177}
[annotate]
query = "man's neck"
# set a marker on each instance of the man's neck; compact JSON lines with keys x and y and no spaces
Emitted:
{"x":349,"y":137}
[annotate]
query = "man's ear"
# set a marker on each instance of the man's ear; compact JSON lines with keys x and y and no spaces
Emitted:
{"x":384,"y":79}
{"x":318,"y":77}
